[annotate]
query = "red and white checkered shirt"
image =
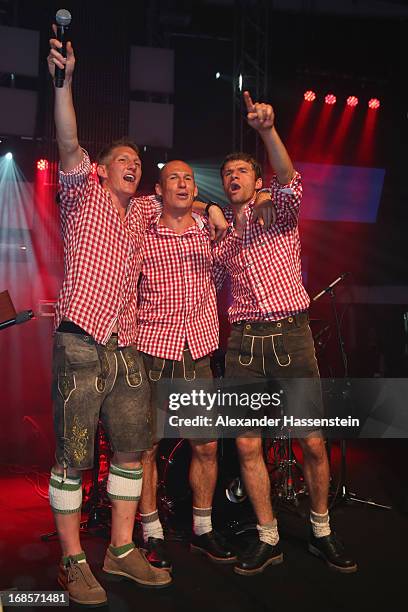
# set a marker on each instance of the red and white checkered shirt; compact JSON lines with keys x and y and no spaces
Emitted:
{"x":102,"y":256}
{"x":176,"y":293}
{"x":265,"y":266}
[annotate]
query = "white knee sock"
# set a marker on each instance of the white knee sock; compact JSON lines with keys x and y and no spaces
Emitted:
{"x":202,"y":520}
{"x":320,"y":524}
{"x":269,"y":533}
{"x":151,"y":525}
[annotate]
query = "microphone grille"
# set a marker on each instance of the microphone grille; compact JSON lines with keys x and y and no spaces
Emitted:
{"x":63,"y":17}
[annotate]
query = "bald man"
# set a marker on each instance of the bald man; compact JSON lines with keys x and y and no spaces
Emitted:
{"x":177,"y":331}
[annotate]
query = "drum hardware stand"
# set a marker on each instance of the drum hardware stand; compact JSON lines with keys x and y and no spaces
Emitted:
{"x":342,"y":494}
{"x":167,"y":504}
{"x":97,"y":505}
{"x":286,"y":465}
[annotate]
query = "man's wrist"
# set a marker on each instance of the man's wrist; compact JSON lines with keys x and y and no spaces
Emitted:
{"x":209,"y":204}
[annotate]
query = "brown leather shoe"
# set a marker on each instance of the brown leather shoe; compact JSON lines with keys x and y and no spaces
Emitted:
{"x":81,"y":584}
{"x":136,"y":567}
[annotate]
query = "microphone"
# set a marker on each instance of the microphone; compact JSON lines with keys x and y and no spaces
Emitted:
{"x":333,"y":284}
{"x":20,"y":317}
{"x":63,"y":19}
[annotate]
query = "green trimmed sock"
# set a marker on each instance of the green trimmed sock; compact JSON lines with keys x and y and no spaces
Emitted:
{"x":78,"y":558}
{"x":122,"y":551}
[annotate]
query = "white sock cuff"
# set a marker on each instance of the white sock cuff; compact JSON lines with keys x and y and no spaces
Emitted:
{"x":124,"y":484}
{"x":65,"y":495}
{"x":317,"y":518}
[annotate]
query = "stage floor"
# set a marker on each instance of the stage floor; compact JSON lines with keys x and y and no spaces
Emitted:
{"x":377,"y":538}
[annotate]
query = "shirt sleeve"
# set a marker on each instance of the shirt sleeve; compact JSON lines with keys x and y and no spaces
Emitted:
{"x":222,"y":252}
{"x":148,"y":208}
{"x":286,"y":199}
{"x":73,"y":183}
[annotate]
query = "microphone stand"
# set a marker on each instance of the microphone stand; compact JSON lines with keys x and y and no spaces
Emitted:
{"x":342,"y":494}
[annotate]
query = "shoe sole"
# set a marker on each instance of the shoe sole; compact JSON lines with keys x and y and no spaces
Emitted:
{"x":84,"y":603}
{"x":167,"y":569}
{"x":273,"y":561}
{"x":143,"y":583}
{"x":344,"y":570}
{"x":197,"y":550}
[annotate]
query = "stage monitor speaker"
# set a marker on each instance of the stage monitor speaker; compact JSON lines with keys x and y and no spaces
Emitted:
{"x":7,"y":310}
{"x":151,"y":70}
{"x":18,"y":112}
{"x":151,"y":124}
{"x":19,"y":50}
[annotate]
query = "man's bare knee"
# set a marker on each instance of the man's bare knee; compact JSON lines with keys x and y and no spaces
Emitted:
{"x":249,"y":448}
{"x":149,"y":456}
{"x":206,"y":451}
{"x":314,"y":448}
{"x":127,"y":460}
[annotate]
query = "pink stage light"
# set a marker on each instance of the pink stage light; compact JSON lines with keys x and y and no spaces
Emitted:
{"x":374,"y":103}
{"x":330,"y":99}
{"x":42,"y":164}
{"x":309,"y":95}
{"x":352,"y":101}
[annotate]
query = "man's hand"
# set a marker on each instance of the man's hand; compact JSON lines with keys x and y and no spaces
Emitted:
{"x":264,"y":210}
{"x":260,"y":116}
{"x":217,"y":223}
{"x":55,"y":58}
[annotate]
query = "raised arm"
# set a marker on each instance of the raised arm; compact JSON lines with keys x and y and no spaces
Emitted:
{"x":70,"y":152}
{"x":261,"y":118}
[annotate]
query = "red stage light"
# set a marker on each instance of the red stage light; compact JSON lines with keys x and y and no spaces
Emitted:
{"x":352,"y":101}
{"x":330,"y":99}
{"x":374,"y":103}
{"x":309,"y":95}
{"x":42,"y":164}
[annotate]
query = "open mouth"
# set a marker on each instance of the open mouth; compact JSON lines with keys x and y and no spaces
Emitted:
{"x":235,"y":187}
{"x":130,"y":178}
{"x":183,"y":195}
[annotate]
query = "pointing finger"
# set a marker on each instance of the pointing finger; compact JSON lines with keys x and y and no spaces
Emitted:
{"x":248,"y":101}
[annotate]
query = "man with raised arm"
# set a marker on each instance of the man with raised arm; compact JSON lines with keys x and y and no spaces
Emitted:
{"x":97,"y":371}
{"x":270,"y":335}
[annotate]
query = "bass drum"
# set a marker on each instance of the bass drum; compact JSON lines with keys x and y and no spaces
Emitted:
{"x":174,"y":493}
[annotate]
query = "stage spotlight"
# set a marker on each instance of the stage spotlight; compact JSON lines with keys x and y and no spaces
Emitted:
{"x":352,"y":101}
{"x":217,"y":75}
{"x":330,"y":99}
{"x":240,"y":82}
{"x":42,"y":164}
{"x":374,"y":103}
{"x":309,"y":96}
{"x":160,"y":165}
{"x":9,"y":155}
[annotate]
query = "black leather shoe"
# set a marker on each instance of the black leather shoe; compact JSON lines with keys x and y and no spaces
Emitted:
{"x":156,"y":553}
{"x":215,"y":546}
{"x":331,"y":550}
{"x":258,"y":556}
